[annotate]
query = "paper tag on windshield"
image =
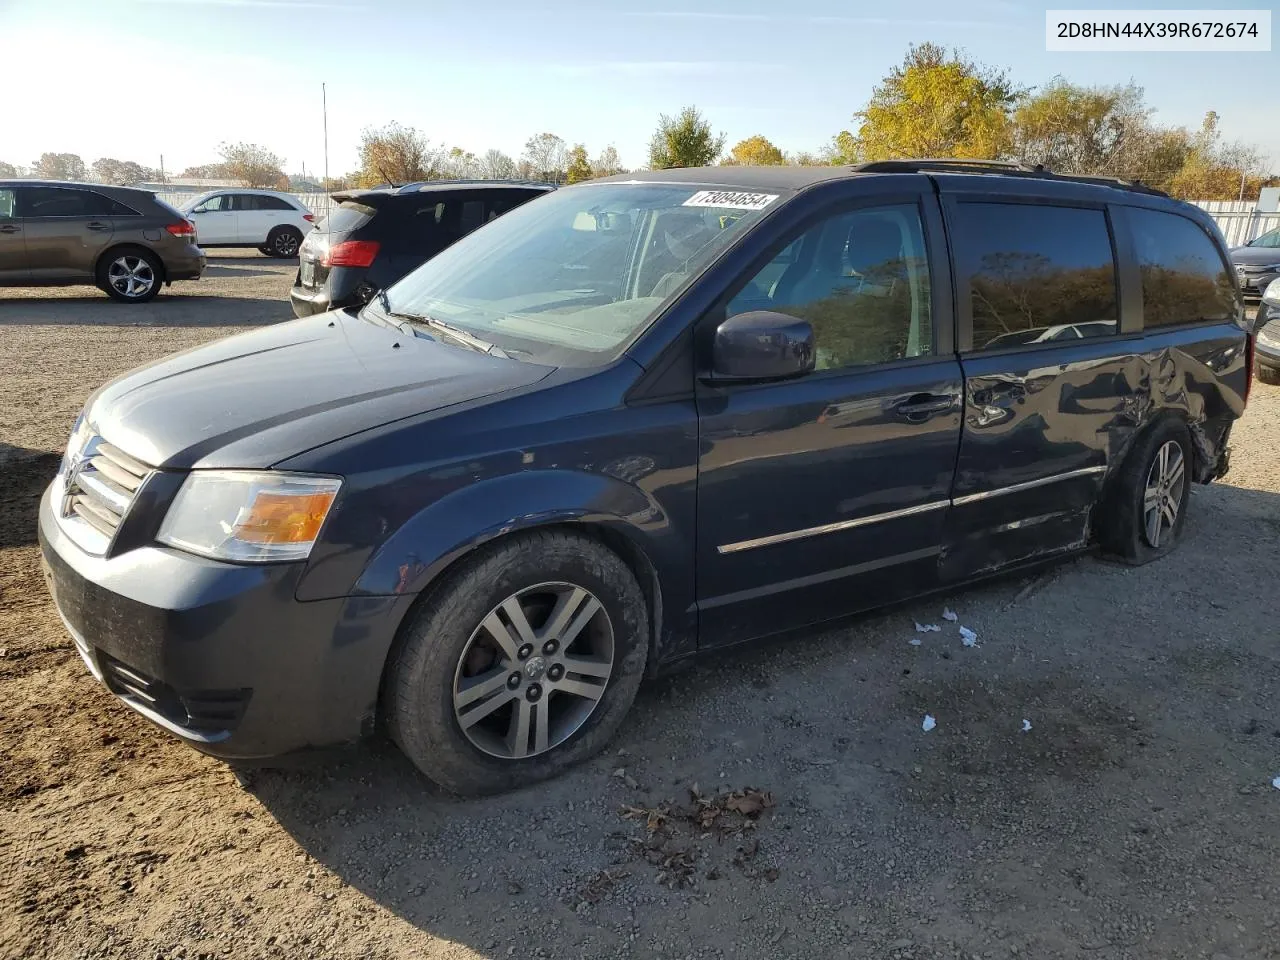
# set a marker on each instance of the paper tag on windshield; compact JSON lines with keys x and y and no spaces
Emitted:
{"x":731,"y":199}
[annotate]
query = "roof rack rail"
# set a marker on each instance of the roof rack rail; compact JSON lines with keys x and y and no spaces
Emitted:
{"x":1012,"y":168}
{"x":419,"y":184}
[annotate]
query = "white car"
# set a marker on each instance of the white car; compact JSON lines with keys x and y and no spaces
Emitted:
{"x":273,"y":222}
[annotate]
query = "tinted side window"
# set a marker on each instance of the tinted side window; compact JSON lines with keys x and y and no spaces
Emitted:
{"x":272,"y":203}
{"x":244,"y":202}
{"x":472,"y":215}
{"x":219,"y":204}
{"x":118,"y":209}
{"x":60,"y":202}
{"x":1184,"y":279}
{"x":861,"y":279}
{"x":1036,"y":274}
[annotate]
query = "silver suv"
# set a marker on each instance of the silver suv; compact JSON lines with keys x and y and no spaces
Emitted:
{"x":127,"y":242}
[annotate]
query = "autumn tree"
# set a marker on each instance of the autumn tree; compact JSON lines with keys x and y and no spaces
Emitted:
{"x":395,"y":154}
{"x":684,"y":140}
{"x":253,"y":164}
{"x":1213,"y":170}
{"x":8,"y":171}
{"x":59,"y":166}
{"x":935,"y":104}
{"x":459,"y":164}
{"x":757,"y":151}
{"x":496,"y":165}
{"x":547,"y":157}
{"x":607,"y":163}
{"x":207,"y":171}
{"x":121,"y":172}
{"x":578,"y":167}
{"x":1074,"y":129}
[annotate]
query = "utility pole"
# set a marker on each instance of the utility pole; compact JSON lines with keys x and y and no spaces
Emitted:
{"x":324,"y":107}
{"x":1241,"y":184}
{"x":162,"y":180}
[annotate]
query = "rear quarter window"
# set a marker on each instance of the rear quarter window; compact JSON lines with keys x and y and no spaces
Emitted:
{"x":1184,"y":277}
{"x":348,"y":216}
{"x":1036,"y":273}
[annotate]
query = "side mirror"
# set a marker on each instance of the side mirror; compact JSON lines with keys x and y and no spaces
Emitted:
{"x":1271,"y":295}
{"x":762,"y":345}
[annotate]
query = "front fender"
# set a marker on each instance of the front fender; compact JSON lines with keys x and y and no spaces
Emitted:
{"x":430,"y":541}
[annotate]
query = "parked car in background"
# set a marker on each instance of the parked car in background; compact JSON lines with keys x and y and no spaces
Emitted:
{"x":1267,"y":343}
{"x":372,"y":238}
{"x":127,"y":242}
{"x":273,"y":222}
{"x":629,"y":423}
{"x":1257,"y":263}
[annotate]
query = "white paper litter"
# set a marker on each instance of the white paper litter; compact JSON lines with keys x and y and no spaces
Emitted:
{"x":968,"y":637}
{"x":1276,"y":783}
{"x":1026,"y":726}
{"x":930,"y":723}
{"x":949,"y":614}
{"x":927,"y":627}
{"x":915,"y":641}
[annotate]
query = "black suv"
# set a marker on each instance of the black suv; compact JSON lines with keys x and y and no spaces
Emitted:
{"x":629,"y":423}
{"x":128,"y":242}
{"x":372,"y":238}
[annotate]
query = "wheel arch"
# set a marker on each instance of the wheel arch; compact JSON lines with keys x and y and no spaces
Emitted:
{"x":115,"y":249}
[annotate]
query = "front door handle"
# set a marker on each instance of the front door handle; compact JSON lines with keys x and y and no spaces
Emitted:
{"x":921,"y":406}
{"x":10,"y":228}
{"x":98,"y":225}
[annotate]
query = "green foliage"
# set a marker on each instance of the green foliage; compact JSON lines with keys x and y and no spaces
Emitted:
{"x":395,"y":154}
{"x":684,"y":140}
{"x":579,"y":167}
{"x":755,"y":151}
{"x":936,"y":104}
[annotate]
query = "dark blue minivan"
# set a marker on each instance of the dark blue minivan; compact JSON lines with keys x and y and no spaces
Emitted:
{"x":631,"y":421}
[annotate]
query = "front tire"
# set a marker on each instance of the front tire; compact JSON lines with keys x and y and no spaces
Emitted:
{"x":1269,"y":375}
{"x":283,"y":243}
{"x":130,"y":275}
{"x":522,"y":664}
{"x":1146,"y":509}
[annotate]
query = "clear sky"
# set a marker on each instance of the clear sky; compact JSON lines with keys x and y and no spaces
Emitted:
{"x":134,"y":79}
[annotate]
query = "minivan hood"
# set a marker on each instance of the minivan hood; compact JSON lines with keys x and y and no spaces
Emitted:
{"x":1255,"y":256}
{"x":255,"y":399}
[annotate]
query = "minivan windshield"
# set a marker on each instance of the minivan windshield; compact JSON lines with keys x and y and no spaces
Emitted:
{"x":572,"y":277}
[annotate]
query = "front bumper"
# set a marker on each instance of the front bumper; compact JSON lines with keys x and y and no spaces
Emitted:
{"x":222,"y":655}
{"x":1266,"y":354}
{"x":1253,"y":284}
{"x":307,"y":302}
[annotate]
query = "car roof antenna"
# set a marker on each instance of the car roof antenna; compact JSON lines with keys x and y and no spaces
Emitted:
{"x":394,"y":185}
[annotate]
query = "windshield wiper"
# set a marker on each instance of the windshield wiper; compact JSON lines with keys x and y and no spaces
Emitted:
{"x":453,"y":333}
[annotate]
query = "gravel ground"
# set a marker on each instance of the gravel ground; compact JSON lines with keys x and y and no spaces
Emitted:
{"x":1136,"y":817}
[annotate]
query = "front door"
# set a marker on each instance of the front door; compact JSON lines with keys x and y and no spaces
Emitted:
{"x":829,"y":493}
{"x":216,"y":221}
{"x":13,"y":249}
{"x":1047,"y":383}
{"x":66,"y":229}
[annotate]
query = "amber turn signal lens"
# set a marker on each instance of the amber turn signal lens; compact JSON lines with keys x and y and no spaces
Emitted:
{"x":284,"y":518}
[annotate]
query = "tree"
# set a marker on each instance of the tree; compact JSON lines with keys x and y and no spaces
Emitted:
{"x":1072,"y":129}
{"x":607,"y":163}
{"x":755,"y":151}
{"x":684,"y":140}
{"x":459,"y":164}
{"x":547,"y":156}
{"x":255,"y":165}
{"x":8,"y":171}
{"x":121,"y":172}
{"x":496,"y":165}
{"x":395,"y":154}
{"x":1212,"y":170}
{"x":59,"y":166}
{"x":207,"y":171}
{"x":935,"y":104}
{"x":578,"y":167}
{"x":803,"y":158}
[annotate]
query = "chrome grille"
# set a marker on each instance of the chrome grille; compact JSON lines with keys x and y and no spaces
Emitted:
{"x":99,"y":483}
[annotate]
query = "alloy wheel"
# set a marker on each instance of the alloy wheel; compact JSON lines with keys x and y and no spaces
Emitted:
{"x":534,"y":671}
{"x":286,"y":244}
{"x":131,"y":276}
{"x":1162,"y":498}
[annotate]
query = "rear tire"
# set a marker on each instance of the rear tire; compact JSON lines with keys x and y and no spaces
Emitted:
{"x":1146,"y":509}
{"x":130,"y":275}
{"x":482,"y":700}
{"x":283,"y":243}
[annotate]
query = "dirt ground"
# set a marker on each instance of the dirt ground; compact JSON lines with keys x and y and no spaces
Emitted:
{"x":1134,"y":819}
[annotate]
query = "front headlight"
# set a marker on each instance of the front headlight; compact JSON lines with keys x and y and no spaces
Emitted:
{"x":80,"y":435}
{"x":248,"y":516}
